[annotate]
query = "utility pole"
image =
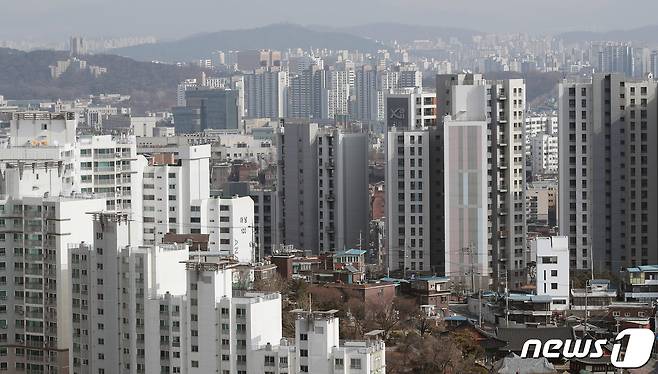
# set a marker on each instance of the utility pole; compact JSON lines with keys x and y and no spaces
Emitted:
{"x":480,"y":308}
{"x":588,"y":284}
{"x":506,"y":300}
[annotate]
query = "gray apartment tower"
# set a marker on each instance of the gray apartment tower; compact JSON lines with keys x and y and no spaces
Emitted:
{"x":608,"y":171}
{"x":307,"y":94}
{"x":323,"y":187}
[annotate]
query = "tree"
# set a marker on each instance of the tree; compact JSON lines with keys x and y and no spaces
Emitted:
{"x":273,"y":284}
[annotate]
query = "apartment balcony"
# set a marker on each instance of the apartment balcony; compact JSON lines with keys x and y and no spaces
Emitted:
{"x":105,"y":156}
{"x":32,"y":214}
{"x":502,"y":188}
{"x":105,"y":182}
{"x":331,"y":197}
{"x":34,"y":300}
{"x":329,"y":165}
{"x":34,"y":286}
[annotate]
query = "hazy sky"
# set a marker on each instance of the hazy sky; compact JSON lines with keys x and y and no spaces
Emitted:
{"x":56,"y":19}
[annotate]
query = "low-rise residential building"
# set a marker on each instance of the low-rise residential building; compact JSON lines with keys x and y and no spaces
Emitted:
{"x":317,"y":349}
{"x":597,"y":295}
{"x":640,"y":283}
{"x":553,"y":269}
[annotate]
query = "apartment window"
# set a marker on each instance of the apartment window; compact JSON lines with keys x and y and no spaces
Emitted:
{"x":355,"y":363}
{"x":338,"y":363}
{"x":303,"y":352}
{"x":303,"y":337}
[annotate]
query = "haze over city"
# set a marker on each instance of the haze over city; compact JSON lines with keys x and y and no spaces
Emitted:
{"x":328,"y":187}
{"x":175,"y":19}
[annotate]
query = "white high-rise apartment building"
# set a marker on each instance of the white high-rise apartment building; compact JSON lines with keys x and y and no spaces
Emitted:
{"x":110,"y":166}
{"x":465,"y":186}
{"x":544,"y":154}
{"x":410,"y":108}
{"x":504,"y":106}
{"x":552,"y":259}
{"x":43,"y":157}
{"x":230,"y":224}
{"x":608,"y":174}
{"x":174,"y":178}
{"x":35,"y":300}
{"x":537,"y":124}
{"x":150,"y":309}
{"x":40,"y":156}
{"x":339,"y":92}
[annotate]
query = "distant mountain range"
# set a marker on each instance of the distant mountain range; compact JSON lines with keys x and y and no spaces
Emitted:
{"x":278,"y":37}
{"x":646,"y":34}
{"x":26,"y":75}
{"x":387,"y":32}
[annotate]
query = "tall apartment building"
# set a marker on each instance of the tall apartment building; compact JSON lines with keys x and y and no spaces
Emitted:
{"x":408,"y":200}
{"x":342,"y":177}
{"x":150,"y":309}
{"x":230,"y":224}
{"x":308,"y":94}
{"x":608,"y":200}
{"x":365,"y":90}
{"x":323,"y":187}
{"x":174,"y":178}
{"x":43,"y":157}
{"x":544,"y":154}
{"x":35,"y":301}
{"x":463,"y":226}
{"x":614,"y":57}
{"x":410,"y":108}
{"x":40,"y":157}
{"x":504,"y":107}
{"x":266,"y":220}
{"x":266,"y":214}
{"x":266,"y":94}
{"x":297,"y":184}
{"x":111,"y":281}
{"x":410,"y":78}
{"x":110,"y":166}
{"x":339,"y":93}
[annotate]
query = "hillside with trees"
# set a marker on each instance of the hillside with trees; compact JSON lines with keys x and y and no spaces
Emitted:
{"x":26,"y":75}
